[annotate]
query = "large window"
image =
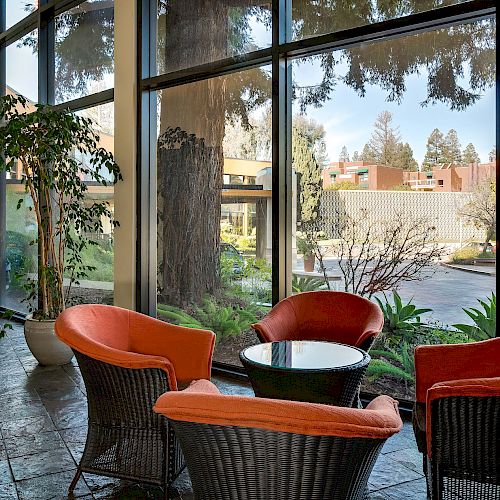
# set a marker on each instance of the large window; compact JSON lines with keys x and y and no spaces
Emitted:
{"x":379,"y":148}
{"x":77,"y":63}
{"x":405,"y":149}
{"x":214,"y":179}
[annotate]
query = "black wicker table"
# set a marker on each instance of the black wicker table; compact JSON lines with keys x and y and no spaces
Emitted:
{"x":311,"y":371}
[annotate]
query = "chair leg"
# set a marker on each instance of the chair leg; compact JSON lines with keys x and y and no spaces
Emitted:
{"x":72,"y":486}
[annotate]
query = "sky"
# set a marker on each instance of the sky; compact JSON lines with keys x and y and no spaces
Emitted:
{"x":347,"y":118}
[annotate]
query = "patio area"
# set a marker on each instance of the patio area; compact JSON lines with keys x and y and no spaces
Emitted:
{"x":43,"y":418}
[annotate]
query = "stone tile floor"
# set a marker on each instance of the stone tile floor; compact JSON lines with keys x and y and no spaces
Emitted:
{"x":43,"y":427}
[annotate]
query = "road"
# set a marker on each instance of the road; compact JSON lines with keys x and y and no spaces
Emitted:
{"x":447,"y":291}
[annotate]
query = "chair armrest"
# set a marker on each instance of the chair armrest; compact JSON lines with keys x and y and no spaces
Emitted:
{"x":439,"y":363}
{"x":380,"y":421}
{"x":469,"y":388}
{"x":188,"y":349}
{"x":279,"y":324}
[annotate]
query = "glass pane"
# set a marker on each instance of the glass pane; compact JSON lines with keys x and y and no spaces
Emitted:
{"x":20,"y":256}
{"x":18,"y":9}
{"x":214,"y":206}
{"x":318,"y":17}
{"x":98,"y":286}
{"x":394,"y":158}
{"x":84,"y":50}
{"x":22,"y":67}
{"x":201,"y":32}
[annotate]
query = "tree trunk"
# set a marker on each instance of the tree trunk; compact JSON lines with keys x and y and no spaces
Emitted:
{"x":190,"y":156}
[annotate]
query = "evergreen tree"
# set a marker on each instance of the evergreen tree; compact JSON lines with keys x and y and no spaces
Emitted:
{"x":452,"y":150}
{"x":435,"y":150}
{"x":492,"y":156}
{"x":355,"y":156}
{"x":384,"y":140}
{"x":310,"y":179}
{"x":470,"y":155}
{"x":368,"y":154}
{"x":404,"y":158}
{"x":344,"y":155}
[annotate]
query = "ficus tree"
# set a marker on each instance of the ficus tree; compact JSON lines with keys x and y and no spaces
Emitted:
{"x":49,"y":147}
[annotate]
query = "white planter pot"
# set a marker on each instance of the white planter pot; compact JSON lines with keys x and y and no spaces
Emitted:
{"x":43,"y":343}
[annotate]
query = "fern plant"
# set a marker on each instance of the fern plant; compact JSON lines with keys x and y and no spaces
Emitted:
{"x":485,"y":323}
{"x":223,"y":320}
{"x":400,"y":320}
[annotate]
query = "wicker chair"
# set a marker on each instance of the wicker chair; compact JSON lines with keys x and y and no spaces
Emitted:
{"x":331,"y":316}
{"x":457,"y":419}
{"x":265,"y":449}
{"x":127,"y":361}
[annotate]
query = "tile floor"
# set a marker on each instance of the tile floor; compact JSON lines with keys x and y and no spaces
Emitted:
{"x":43,"y":427}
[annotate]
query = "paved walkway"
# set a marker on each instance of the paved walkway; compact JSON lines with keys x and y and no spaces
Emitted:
{"x":43,"y":423}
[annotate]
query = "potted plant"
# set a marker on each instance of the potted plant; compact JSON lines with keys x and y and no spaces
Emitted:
{"x":57,"y":153}
{"x":306,"y":246}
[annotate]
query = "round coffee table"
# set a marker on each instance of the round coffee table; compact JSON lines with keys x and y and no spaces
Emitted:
{"x":312,"y":371}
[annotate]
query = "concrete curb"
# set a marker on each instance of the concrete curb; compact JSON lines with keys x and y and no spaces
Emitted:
{"x":468,"y":269}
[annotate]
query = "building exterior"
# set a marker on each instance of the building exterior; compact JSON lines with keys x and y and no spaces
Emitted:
{"x":363,"y":174}
{"x":448,"y":178}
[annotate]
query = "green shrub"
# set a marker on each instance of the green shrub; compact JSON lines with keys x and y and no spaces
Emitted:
{"x":20,"y":255}
{"x":465,"y":255}
{"x":485,"y":323}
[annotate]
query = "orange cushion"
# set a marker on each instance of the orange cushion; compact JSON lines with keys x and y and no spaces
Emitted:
{"x":133,"y":340}
{"x":323,"y":315}
{"x":201,"y":404}
{"x":478,"y":387}
{"x":190,"y":350}
{"x":438,"y":363}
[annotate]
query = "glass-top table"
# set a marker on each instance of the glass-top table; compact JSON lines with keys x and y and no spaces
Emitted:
{"x":302,"y":370}
{"x":304,"y":355}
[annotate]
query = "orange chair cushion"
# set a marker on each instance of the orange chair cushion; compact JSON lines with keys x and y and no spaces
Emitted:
{"x":477,"y":387}
{"x":324,"y":315}
{"x":189,"y":350}
{"x":200,"y":403}
{"x":133,"y":340}
{"x":438,"y":363}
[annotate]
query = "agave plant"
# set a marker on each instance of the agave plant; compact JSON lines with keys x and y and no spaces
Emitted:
{"x":400,"y":319}
{"x":307,"y":284}
{"x":485,"y":323}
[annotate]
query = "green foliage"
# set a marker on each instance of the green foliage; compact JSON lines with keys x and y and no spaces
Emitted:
{"x":397,"y":361}
{"x":465,"y":255}
{"x":307,"y":284}
{"x":310,"y":180}
{"x":223,"y":320}
{"x":343,"y":186}
{"x":400,"y":320}
{"x":46,"y":144}
{"x":307,"y":241}
{"x":485,"y":323}
{"x":470,"y":154}
{"x":401,"y":187}
{"x":101,"y":258}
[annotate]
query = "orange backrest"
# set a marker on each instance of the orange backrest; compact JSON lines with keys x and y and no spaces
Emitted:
{"x":201,"y":403}
{"x":440,"y":363}
{"x":133,"y":340}
{"x":324,"y":315}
